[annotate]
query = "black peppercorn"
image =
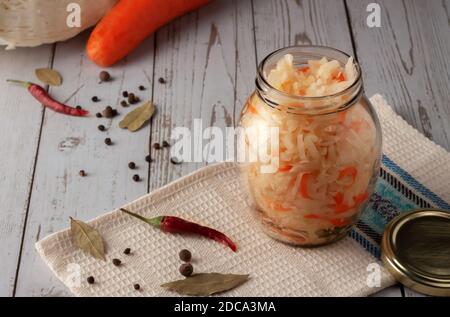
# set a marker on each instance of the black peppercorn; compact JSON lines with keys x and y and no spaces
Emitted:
{"x":90,"y":280}
{"x":114,"y":112}
{"x":185,"y":255}
{"x":116,"y":262}
{"x":104,"y":76}
{"x":132,"y":165}
{"x":123,"y":103}
{"x":101,"y":127}
{"x":186,"y":269}
{"x":82,"y":173}
{"x":98,"y":115}
{"x":148,"y":158}
{"x":136,"y":178}
{"x":165,"y":144}
{"x":156,"y":146}
{"x":136,"y":286}
{"x":141,"y":87}
{"x":127,"y":251}
{"x":125,"y":94}
{"x":95,"y":99}
{"x":161,"y":80}
{"x":78,"y":107}
{"x":108,"y":141}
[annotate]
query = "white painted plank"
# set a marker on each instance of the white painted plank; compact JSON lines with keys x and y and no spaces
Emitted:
{"x":406,"y":60}
{"x":290,"y":22}
{"x":203,"y":56}
{"x":20,"y":123}
{"x":70,"y":144}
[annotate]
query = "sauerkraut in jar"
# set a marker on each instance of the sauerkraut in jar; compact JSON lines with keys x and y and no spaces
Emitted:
{"x":326,"y":159}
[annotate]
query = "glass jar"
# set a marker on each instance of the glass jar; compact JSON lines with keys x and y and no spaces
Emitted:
{"x":310,"y":162}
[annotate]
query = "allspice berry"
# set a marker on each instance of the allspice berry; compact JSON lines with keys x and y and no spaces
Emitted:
{"x":185,"y":255}
{"x":104,"y":76}
{"x":186,"y":269}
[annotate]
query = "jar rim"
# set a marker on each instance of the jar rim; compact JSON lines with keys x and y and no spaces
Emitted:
{"x":261,"y":76}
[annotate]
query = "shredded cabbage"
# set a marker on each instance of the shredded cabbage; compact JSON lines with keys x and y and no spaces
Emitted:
{"x":327,"y":163}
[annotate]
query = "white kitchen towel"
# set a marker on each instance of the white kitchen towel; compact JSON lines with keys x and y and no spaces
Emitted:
{"x":414,"y":174}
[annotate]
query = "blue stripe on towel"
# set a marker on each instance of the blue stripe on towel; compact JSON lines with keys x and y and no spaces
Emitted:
{"x":411,"y":181}
{"x":395,"y":192}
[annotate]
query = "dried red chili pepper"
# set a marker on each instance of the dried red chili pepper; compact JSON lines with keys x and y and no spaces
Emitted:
{"x":177,"y":225}
{"x":42,"y":96}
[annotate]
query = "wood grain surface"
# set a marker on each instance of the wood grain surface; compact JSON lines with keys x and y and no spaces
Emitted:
{"x":208,"y":60}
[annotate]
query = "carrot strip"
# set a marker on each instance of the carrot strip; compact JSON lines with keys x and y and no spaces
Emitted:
{"x":350,"y":171}
{"x":251,"y":108}
{"x":285,"y":168}
{"x":304,"y":186}
{"x":303,"y":69}
{"x":341,"y":116}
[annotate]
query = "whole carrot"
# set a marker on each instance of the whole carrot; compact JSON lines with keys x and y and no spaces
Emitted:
{"x":41,"y":95}
{"x":177,"y":225}
{"x":129,"y":22}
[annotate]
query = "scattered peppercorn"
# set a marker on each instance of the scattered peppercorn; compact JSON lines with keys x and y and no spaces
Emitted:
{"x":78,"y":107}
{"x":95,"y":99}
{"x":127,"y":251}
{"x":136,"y":178}
{"x":114,"y":112}
{"x":116,"y":262}
{"x":141,"y":87}
{"x":108,"y":112}
{"x":101,"y":127}
{"x":108,"y":141}
{"x":148,"y":158}
{"x":156,"y":146}
{"x":98,"y":115}
{"x":175,"y":161}
{"x":91,"y":280}
{"x":123,"y":103}
{"x":165,"y":144}
{"x":186,"y":269}
{"x":132,"y":165}
{"x":104,"y":76}
{"x":137,"y":286}
{"x":82,"y":173}
{"x":125,"y":94}
{"x":161,"y":80}
{"x":131,"y":98}
{"x":185,"y":255}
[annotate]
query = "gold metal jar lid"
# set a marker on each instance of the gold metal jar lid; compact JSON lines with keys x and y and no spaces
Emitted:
{"x":416,"y":250}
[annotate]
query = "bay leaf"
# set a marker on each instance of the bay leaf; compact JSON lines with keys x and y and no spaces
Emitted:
{"x":135,"y":119}
{"x":87,"y":238}
{"x":204,"y":284}
{"x":48,"y":76}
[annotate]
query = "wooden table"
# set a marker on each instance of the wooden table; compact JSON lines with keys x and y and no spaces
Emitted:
{"x":208,"y":59}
